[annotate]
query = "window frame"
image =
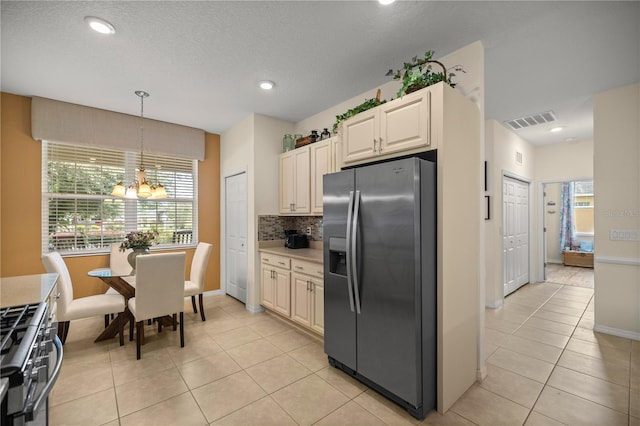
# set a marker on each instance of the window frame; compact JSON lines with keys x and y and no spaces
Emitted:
{"x":131,"y":206}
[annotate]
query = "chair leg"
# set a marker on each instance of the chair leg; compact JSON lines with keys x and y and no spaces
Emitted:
{"x":131,"y":321}
{"x":63,"y":330}
{"x":121,"y":327}
{"x":106,"y":320}
{"x":159,"y":320}
{"x":193,"y":303}
{"x":138,"y":335}
{"x":175,"y":322}
{"x":201,"y":307}
{"x":182,"y":329}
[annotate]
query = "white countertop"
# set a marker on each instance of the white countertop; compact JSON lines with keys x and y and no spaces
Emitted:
{"x":312,"y":254}
{"x":26,"y":289}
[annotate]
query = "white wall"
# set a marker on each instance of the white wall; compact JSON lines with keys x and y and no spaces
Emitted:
{"x":253,"y":145}
{"x":503,"y":145}
{"x":617,"y":207}
{"x":564,"y":162}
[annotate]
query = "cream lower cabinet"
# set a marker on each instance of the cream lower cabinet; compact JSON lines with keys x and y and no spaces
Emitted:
{"x":293,"y":288}
{"x":275,"y":285}
{"x":307,"y":295}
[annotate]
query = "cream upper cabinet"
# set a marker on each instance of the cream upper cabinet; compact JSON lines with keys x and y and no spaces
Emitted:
{"x":295,"y":195}
{"x":359,"y":136}
{"x":321,"y":164}
{"x":336,"y":151}
{"x":405,"y":125}
{"x":402,"y":126}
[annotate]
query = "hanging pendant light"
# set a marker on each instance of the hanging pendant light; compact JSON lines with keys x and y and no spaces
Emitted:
{"x":140,"y":187}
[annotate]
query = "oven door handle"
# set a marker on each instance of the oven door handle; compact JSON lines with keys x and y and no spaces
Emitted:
{"x":32,"y":408}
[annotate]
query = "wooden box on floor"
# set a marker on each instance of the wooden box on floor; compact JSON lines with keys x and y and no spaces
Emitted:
{"x":577,"y":258}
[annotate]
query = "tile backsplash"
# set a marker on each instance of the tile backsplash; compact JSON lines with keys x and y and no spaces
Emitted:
{"x":272,"y":227}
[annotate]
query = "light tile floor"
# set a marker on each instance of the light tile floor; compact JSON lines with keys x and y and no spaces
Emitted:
{"x":545,"y":367}
{"x":571,"y":275}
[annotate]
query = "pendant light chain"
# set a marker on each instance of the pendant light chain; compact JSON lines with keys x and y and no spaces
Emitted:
{"x":141,"y":188}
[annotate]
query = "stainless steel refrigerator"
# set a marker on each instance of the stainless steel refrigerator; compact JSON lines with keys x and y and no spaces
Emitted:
{"x":379,"y":231}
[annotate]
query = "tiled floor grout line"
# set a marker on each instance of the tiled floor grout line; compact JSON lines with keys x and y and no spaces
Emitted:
{"x":546,"y":383}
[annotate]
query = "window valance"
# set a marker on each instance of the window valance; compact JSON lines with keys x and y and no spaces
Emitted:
{"x":58,"y":121}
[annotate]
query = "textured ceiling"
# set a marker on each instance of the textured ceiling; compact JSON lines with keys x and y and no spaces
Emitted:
{"x":201,"y":61}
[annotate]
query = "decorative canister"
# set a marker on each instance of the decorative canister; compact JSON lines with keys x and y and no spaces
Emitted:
{"x":325,"y":134}
{"x":314,"y":136}
{"x":287,"y":143}
{"x":296,"y":137}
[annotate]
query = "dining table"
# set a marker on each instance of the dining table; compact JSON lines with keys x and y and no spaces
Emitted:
{"x":120,"y":282}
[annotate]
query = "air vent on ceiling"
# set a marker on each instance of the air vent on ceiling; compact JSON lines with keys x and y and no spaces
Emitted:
{"x":531,"y":120}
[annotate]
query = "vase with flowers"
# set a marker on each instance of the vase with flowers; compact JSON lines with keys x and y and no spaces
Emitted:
{"x":139,"y":242}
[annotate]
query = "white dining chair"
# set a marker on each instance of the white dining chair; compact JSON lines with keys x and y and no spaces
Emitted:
{"x":195,"y":285}
{"x":159,"y":291}
{"x":69,"y":308}
{"x":118,"y":262}
{"x":119,"y":265}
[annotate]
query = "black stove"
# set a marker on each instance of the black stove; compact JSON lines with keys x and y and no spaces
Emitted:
{"x":30,"y":360}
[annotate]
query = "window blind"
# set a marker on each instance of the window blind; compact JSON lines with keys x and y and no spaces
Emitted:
{"x":79,"y":214}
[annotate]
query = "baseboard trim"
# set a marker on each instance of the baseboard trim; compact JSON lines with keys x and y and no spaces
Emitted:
{"x":213,"y":293}
{"x":254,"y":309}
{"x":617,"y":332}
{"x":496,"y":305}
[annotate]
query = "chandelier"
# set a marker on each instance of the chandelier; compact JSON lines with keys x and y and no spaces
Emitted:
{"x":140,"y":187}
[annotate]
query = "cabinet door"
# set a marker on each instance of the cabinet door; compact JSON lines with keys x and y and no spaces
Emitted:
{"x":302,"y":176}
{"x":300,"y":306}
{"x":336,"y":154}
{"x":287,"y":182}
{"x":321,"y":160}
{"x":317,"y":305}
{"x":359,"y":136}
{"x":267,"y":288}
{"x":405,"y":125}
{"x":282,"y":302}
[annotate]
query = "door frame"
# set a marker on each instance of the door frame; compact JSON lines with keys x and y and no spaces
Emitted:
{"x":542,"y":246}
{"x":223,"y":227}
{"x":511,"y":175}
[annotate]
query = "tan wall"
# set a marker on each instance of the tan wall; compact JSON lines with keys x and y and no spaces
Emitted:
{"x":617,"y":207}
{"x":20,"y":209}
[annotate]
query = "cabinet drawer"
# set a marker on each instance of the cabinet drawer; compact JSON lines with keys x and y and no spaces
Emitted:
{"x":275,"y":260}
{"x":309,"y":268}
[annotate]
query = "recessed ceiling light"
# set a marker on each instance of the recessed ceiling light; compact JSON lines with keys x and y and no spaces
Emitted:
{"x":100,"y":25}
{"x":386,"y":2}
{"x":556,"y":129}
{"x":267,"y":85}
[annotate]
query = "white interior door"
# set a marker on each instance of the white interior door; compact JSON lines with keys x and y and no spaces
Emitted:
{"x":515,"y":234}
{"x":236,"y":236}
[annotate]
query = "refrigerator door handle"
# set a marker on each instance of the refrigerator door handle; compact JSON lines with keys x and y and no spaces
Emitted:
{"x":348,"y":254}
{"x":354,"y":244}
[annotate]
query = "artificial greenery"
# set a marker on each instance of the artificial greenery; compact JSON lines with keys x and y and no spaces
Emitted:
{"x":367,"y":104}
{"x":139,"y":240}
{"x":418,"y":74}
